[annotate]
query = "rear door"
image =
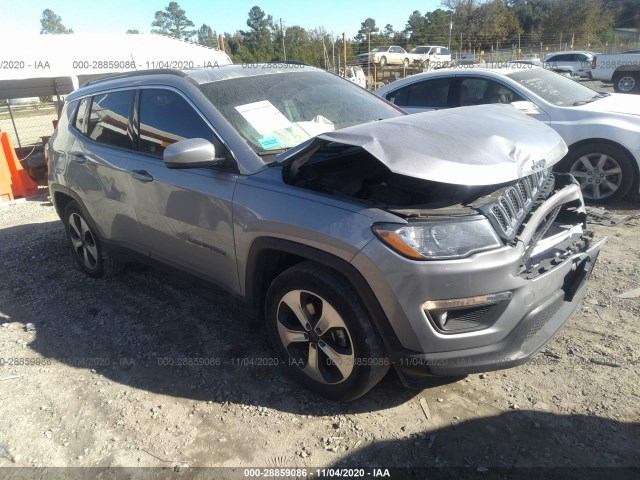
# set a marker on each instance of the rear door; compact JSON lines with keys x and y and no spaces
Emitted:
{"x":99,"y":163}
{"x":185,"y":214}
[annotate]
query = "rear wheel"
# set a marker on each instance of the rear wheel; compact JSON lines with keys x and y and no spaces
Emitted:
{"x":323,"y":334}
{"x":605,"y":172}
{"x":626,"y":82}
{"x":86,"y":246}
{"x":405,"y":63}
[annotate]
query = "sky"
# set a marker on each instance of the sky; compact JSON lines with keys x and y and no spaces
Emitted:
{"x":118,"y":16}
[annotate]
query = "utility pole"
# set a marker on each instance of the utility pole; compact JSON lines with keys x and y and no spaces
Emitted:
{"x":560,"y":41}
{"x":369,"y":56}
{"x":284,"y":50}
{"x":333,"y":52}
{"x":344,"y":54}
{"x":450,"y":30}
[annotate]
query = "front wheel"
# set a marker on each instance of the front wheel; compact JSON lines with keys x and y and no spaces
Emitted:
{"x":605,"y":172}
{"x":405,"y":63}
{"x":626,"y":82}
{"x":383,"y":61}
{"x":323,"y":334}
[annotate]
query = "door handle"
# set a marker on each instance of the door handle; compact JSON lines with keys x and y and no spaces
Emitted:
{"x":141,"y":175}
{"x":78,"y":157}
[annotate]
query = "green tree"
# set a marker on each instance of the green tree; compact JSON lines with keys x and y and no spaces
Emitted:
{"x":580,"y":20}
{"x":236,"y":48}
{"x":483,"y":24}
{"x":207,"y":37}
{"x":389,"y":32}
{"x":173,"y":21}
{"x":532,"y":14}
{"x":367,"y":27}
{"x":259,"y":38}
{"x":626,"y":12}
{"x":297,"y":42}
{"x":416,"y":28}
{"x":133,"y":31}
{"x":52,"y":23}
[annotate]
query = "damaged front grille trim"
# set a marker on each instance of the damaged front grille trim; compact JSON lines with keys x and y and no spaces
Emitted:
{"x":507,"y":213}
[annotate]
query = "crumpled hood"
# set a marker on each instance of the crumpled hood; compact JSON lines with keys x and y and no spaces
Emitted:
{"x":480,"y":145}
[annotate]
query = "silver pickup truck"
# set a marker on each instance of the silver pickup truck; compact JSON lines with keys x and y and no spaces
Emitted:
{"x":623,"y":69}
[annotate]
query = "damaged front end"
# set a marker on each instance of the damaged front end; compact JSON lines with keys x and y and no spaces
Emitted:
{"x":492,"y":247}
{"x":457,"y":187}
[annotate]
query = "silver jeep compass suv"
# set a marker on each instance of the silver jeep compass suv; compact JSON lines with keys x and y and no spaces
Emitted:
{"x":437,"y":243}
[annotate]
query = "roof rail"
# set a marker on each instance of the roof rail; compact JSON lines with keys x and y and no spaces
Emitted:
{"x":135,"y":73}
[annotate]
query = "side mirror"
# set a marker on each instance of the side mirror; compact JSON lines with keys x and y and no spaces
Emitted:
{"x":529,"y":108}
{"x":190,"y":153}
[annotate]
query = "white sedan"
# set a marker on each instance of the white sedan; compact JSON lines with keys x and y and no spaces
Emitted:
{"x":386,"y":55}
{"x":602,"y":130}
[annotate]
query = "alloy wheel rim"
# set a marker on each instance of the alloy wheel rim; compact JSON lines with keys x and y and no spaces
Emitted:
{"x":626,"y":84}
{"x":83,"y":241}
{"x":315,"y":337}
{"x":599,"y":175}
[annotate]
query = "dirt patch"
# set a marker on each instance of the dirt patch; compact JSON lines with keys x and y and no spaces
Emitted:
{"x":151,"y":370}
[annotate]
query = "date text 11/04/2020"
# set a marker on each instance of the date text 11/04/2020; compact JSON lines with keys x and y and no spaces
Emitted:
{"x":319,"y":472}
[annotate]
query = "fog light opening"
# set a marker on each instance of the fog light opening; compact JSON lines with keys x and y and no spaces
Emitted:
{"x":440,"y":317}
{"x":466,"y":314}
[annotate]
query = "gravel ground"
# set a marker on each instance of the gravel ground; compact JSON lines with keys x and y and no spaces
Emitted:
{"x":147,"y":369}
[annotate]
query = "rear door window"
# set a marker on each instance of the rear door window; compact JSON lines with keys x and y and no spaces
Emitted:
{"x":430,"y":93}
{"x":109,"y":119}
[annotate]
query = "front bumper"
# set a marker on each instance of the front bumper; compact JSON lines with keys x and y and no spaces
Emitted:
{"x":530,"y":335}
{"x":540,"y":302}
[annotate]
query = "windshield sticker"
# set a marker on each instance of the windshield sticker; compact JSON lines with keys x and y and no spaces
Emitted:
{"x":269,"y":143}
{"x":263,"y":117}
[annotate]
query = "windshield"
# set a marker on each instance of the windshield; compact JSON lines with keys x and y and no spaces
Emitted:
{"x":555,"y":89}
{"x":380,"y":49}
{"x":274,"y":112}
{"x":420,"y":50}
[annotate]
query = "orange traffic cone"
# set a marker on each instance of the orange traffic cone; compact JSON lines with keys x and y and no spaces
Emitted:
{"x":6,"y":193}
{"x":20,"y":181}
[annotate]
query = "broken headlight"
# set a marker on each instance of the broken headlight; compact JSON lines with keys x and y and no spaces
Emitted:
{"x":439,"y":240}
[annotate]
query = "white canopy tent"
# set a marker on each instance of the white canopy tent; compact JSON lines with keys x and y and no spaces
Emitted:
{"x":49,"y":65}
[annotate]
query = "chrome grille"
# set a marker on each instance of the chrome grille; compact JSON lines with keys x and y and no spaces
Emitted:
{"x":509,"y":209}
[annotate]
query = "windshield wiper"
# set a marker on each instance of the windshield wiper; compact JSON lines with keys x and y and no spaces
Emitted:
{"x":592,"y":99}
{"x":275,"y":151}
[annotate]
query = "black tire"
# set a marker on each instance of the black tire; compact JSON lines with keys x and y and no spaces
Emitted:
{"x":86,"y":246}
{"x":320,"y":294}
{"x":383,"y":61}
{"x":626,"y":82}
{"x":405,"y":63}
{"x":611,"y":175}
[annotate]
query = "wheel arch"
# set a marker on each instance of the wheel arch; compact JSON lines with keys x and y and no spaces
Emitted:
{"x":61,"y":196}
{"x":268,"y":257}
